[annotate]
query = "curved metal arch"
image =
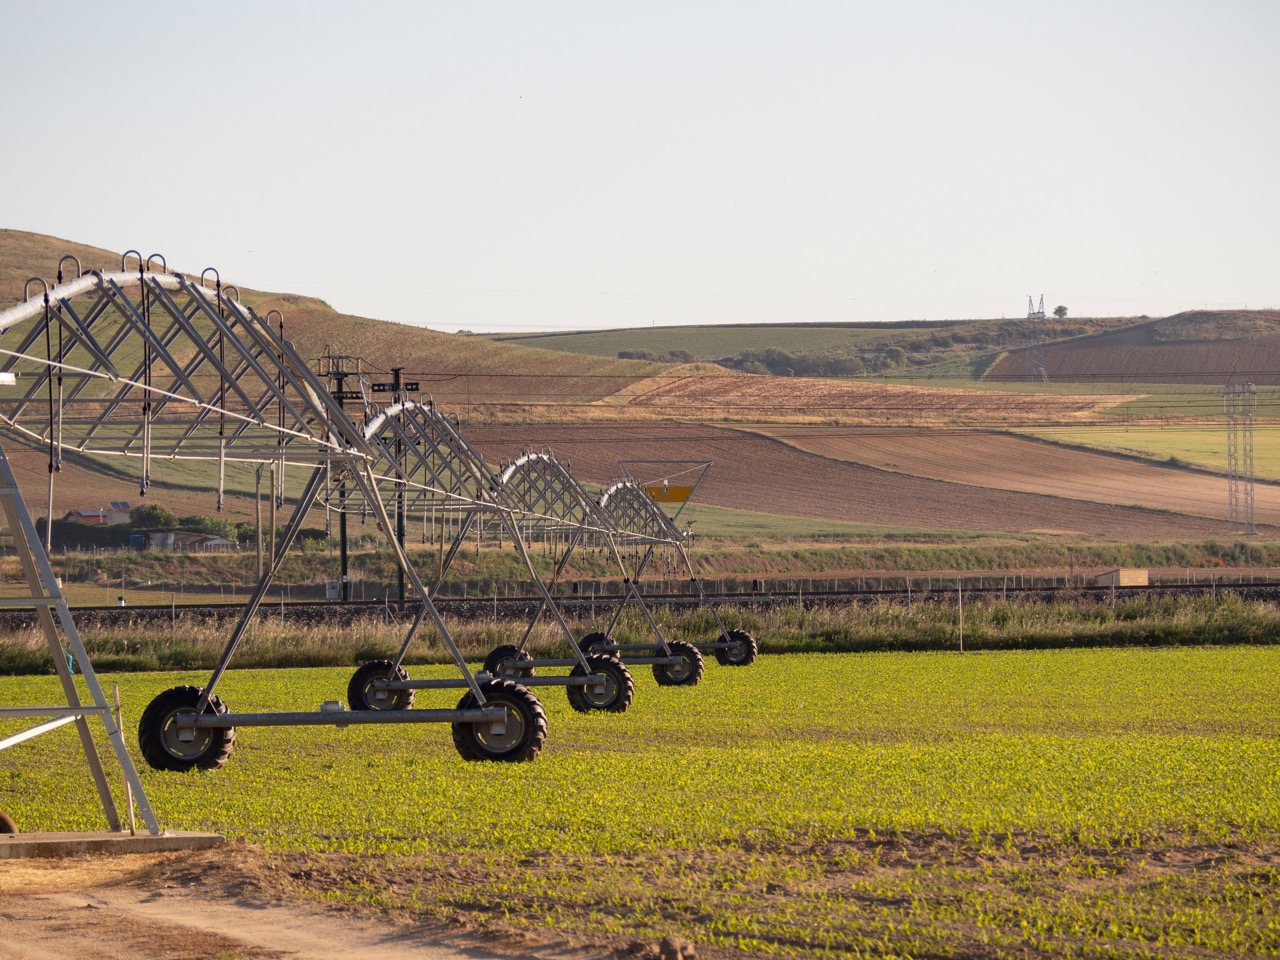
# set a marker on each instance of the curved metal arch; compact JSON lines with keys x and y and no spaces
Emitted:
{"x":634,"y":516}
{"x":155,"y":360}
{"x":73,"y":259}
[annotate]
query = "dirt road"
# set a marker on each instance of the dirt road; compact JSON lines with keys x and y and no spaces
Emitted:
{"x":156,"y":907}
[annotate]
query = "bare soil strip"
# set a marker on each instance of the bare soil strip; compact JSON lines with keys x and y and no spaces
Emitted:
{"x":1011,"y":462}
{"x":151,"y":908}
{"x":925,"y":894}
{"x":766,"y":475}
{"x":1130,"y":357}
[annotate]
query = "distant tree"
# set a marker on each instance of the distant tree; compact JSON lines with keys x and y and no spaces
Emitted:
{"x":152,"y":516}
{"x":845,"y":367}
{"x":1059,"y":311}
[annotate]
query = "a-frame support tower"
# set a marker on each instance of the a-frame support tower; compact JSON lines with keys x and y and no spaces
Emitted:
{"x":52,"y":612}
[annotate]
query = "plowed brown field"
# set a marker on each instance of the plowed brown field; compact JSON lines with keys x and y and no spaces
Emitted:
{"x":1009,"y":462}
{"x":1138,"y":355}
{"x":812,"y":399}
{"x":754,"y":472}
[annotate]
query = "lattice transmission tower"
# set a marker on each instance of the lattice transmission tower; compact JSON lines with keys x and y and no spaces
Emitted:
{"x":1240,"y":400}
{"x":1035,"y":353}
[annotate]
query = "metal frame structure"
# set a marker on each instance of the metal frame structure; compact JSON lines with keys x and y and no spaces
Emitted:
{"x":152,"y":367}
{"x":46,"y":596}
{"x":1240,"y":402}
{"x":428,"y":465}
{"x":571,"y":517}
{"x":632,"y":507}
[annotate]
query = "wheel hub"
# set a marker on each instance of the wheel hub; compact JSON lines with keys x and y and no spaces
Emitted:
{"x":601,"y":691}
{"x":681,"y":669}
{"x":501,"y":735}
{"x":183,"y":740}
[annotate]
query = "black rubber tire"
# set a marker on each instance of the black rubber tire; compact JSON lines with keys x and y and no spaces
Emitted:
{"x":6,"y":823}
{"x":362,"y":695}
{"x":505,"y":654}
{"x":158,"y":739}
{"x":745,"y":653}
{"x":619,"y":690}
{"x":684,"y":674}
{"x":597,"y":638}
{"x":526,"y":725}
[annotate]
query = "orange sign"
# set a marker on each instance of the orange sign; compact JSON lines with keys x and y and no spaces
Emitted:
{"x":662,"y":493}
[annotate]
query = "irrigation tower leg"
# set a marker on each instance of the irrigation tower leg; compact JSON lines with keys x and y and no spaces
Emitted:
{"x":47,"y":596}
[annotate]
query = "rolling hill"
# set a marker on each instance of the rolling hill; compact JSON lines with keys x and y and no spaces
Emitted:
{"x":1208,"y":347}
{"x":597,"y":410}
{"x":455,"y":369}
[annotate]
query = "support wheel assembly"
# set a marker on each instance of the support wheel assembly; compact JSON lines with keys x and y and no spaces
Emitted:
{"x":501,"y":662}
{"x":741,"y":654}
{"x":364,"y":692}
{"x":597,"y":638}
{"x":685,"y":672}
{"x":523,"y":734}
{"x":618,"y":691}
{"x":167,"y":746}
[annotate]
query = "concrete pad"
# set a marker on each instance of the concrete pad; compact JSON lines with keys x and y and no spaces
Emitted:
{"x":19,"y":845}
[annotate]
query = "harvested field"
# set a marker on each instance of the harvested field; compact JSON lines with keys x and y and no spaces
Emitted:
{"x":1010,"y":462}
{"x":754,"y":472}
{"x":811,"y":400}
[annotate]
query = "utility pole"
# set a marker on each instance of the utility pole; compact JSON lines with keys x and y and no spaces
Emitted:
{"x":338,"y":369}
{"x":395,"y":392}
{"x":398,"y":387}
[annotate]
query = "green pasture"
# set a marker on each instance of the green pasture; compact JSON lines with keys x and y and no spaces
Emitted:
{"x":722,"y":340}
{"x":1200,"y":445}
{"x":1171,"y":402}
{"x":711,"y":521}
{"x":846,"y":805}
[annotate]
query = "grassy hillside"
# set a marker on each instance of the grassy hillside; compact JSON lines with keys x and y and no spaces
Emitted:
{"x":457,"y":370}
{"x":527,"y":390}
{"x":958,"y":349}
{"x":722,"y":340}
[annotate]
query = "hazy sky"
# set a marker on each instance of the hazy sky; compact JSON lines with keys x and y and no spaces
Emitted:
{"x":550,"y":165}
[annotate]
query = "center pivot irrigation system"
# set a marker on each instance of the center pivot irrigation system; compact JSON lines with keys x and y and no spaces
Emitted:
{"x":428,"y":466}
{"x":132,"y":370}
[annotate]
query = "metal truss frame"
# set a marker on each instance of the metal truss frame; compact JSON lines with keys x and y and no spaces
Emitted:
{"x":428,"y":464}
{"x":631,"y":505}
{"x":154,"y":366}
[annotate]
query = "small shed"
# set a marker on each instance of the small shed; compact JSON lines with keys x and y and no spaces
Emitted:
{"x":1122,"y":577}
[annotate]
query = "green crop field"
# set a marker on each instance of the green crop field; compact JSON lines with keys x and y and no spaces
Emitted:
{"x":1200,"y":445}
{"x":1073,"y":803}
{"x":719,"y":340}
